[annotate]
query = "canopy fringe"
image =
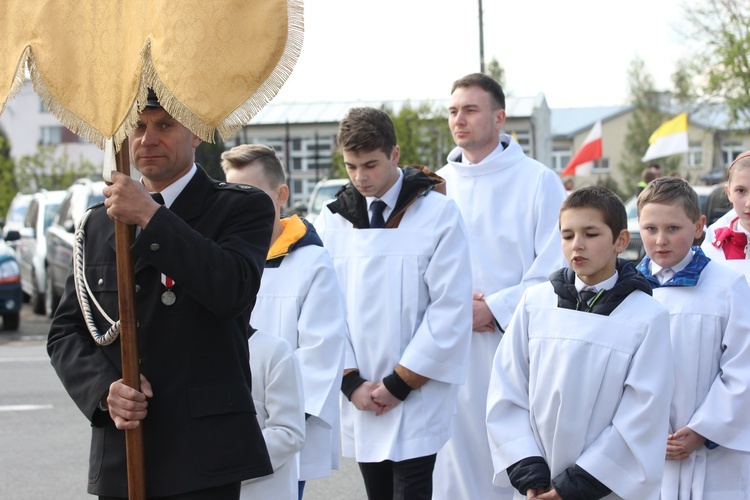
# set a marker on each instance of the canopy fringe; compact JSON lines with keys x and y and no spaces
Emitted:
{"x":18,"y":79}
{"x":69,"y":119}
{"x":241,"y":116}
{"x":230,"y":125}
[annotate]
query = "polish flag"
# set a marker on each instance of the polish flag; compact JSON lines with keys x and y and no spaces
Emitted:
{"x":583,"y":161}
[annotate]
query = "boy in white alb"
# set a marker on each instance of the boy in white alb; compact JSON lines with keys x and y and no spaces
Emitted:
{"x":708,"y":445}
{"x":509,"y":203}
{"x":402,"y":257}
{"x":580,"y":388}
{"x":279,"y":407}
{"x":299,"y":300}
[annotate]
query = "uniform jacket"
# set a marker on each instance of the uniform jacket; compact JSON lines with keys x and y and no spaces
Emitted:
{"x":201,"y":429}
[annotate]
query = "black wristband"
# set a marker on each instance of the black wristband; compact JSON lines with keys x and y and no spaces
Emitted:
{"x":396,"y":386}
{"x":530,"y":472}
{"x":350,"y":382}
{"x":575,"y":482}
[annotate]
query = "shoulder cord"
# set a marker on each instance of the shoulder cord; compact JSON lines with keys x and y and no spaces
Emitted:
{"x":83,"y":292}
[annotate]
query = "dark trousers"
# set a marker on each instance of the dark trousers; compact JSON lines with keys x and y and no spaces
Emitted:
{"x":226,"y":492}
{"x":406,"y":480}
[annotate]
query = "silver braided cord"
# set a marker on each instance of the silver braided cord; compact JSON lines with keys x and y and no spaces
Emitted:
{"x":83,"y":292}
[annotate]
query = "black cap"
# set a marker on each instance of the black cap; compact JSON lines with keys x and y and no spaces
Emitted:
{"x":152,"y":101}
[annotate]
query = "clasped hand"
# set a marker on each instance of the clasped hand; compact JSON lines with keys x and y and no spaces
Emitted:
{"x":374,"y":397}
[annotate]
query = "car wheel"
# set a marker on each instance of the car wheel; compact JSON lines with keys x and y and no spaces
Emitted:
{"x":11,"y":321}
{"x":50,"y":297}
{"x":37,"y":299}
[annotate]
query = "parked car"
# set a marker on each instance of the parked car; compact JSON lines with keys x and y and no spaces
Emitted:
{"x":322,"y":193}
{"x":713,"y":203}
{"x":32,"y":247}
{"x":82,"y":195}
{"x":10,"y":284}
{"x":14,"y":219}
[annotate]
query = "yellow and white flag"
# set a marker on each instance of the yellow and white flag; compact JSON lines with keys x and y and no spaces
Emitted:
{"x":670,"y":138}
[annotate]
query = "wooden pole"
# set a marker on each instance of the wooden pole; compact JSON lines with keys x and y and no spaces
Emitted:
{"x":131,"y":374}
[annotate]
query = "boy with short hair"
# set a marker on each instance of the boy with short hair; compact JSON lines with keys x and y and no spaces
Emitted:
{"x":581,"y":382}
{"x":402,"y":257}
{"x":299,"y":300}
{"x":709,"y":425}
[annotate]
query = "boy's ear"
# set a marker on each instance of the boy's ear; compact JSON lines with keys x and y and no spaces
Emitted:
{"x":622,"y":241}
{"x":282,"y":195}
{"x":699,"y":225}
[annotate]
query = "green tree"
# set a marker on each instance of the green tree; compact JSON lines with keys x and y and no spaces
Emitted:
{"x":423,"y":134}
{"x":718,"y":64}
{"x":8,"y":186}
{"x":496,"y":72}
{"x":47,"y":170}
{"x":646,"y":117}
{"x":208,"y":156}
{"x":423,"y":137}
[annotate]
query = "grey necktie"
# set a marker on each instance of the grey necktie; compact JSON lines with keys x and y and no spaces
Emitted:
{"x":586,"y":295}
{"x":377,"y":207}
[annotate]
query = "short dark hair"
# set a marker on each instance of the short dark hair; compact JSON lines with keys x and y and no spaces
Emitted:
{"x":648,"y":175}
{"x":605,"y":201}
{"x":240,"y":156}
{"x":366,"y":130}
{"x":671,"y":191}
{"x":485,"y":82}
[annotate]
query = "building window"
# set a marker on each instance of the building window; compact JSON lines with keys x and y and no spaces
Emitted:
{"x":601,"y":166}
{"x":730,"y":151}
{"x":695,"y":156}
{"x":297,"y":188}
{"x":523,"y":138}
{"x":560,"y":158}
{"x":50,"y":135}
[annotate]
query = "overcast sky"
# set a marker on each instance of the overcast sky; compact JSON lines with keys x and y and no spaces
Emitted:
{"x":576,"y":52}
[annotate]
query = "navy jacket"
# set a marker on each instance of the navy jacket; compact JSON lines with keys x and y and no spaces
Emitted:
{"x":201,"y":430}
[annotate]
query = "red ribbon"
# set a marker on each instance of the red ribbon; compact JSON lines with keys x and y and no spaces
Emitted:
{"x":732,"y":242}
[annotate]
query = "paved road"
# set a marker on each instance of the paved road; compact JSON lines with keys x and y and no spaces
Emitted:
{"x":44,"y":439}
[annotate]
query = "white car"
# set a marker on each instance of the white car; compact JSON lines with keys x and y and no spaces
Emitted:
{"x":15,"y":216}
{"x":32,"y":247}
{"x":322,"y":194}
{"x":82,"y":195}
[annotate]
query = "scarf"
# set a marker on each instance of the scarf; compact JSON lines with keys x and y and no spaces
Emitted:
{"x":687,"y":277}
{"x":732,"y":242}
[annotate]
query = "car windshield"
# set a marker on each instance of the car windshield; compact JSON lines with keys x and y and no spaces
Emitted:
{"x":49,"y":213}
{"x":18,"y":211}
{"x":324,"y":194}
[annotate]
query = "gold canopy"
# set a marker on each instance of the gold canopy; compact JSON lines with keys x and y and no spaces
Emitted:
{"x":213,"y":64}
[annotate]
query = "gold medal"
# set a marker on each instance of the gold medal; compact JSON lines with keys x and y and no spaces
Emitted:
{"x":168,"y":298}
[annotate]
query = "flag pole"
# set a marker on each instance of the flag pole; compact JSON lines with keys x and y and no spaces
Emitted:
{"x":131,"y":375}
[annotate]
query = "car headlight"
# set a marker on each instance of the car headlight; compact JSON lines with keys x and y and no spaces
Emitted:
{"x":9,"y":272}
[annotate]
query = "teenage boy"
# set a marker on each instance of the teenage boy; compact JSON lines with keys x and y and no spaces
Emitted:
{"x":709,"y":425}
{"x":581,"y":383}
{"x":299,"y":300}
{"x":402,"y":257}
{"x":510,"y":204}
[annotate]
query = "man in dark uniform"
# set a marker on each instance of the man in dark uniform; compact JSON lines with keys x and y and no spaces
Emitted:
{"x":198,"y":263}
